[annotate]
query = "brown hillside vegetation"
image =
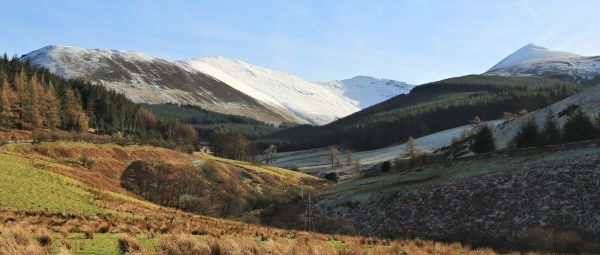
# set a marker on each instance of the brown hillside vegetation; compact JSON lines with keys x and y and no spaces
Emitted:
{"x":243,"y":185}
{"x":30,"y":229}
{"x":222,"y":238}
{"x":109,"y":160}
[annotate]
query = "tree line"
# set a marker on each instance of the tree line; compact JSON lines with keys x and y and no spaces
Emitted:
{"x":205,"y":121}
{"x":577,"y":127}
{"x":32,"y":98}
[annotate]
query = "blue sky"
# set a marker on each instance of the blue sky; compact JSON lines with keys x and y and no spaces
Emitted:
{"x":413,"y":41}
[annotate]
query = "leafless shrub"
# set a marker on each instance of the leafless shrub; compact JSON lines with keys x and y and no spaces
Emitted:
{"x":129,"y":244}
{"x":43,"y":237}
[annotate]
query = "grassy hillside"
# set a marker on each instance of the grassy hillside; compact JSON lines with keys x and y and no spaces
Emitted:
{"x":100,"y":166}
{"x":24,"y":186}
{"x":427,"y":109}
{"x":109,"y":160}
{"x":53,"y":202}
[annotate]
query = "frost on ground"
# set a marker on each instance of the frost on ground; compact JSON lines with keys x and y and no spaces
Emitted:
{"x":558,"y":193}
{"x":320,"y":156}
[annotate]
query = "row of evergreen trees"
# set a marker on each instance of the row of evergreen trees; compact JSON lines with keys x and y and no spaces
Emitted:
{"x":578,"y":127}
{"x":28,"y":102}
{"x":205,"y":121}
{"x":32,"y":98}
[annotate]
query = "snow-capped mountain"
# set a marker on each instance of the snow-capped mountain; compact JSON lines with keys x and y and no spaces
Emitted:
{"x":214,"y":83}
{"x":310,"y":102}
{"x":367,"y":91}
{"x":533,"y":60}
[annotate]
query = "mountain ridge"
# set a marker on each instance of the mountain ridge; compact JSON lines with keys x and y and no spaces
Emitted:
{"x":147,"y":79}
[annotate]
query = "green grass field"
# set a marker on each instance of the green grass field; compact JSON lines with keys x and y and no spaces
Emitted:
{"x":24,"y":187}
{"x":261,"y":168}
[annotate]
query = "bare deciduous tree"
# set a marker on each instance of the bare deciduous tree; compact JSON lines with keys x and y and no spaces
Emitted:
{"x":411,"y":149}
{"x":334,"y":156}
{"x":348,"y":157}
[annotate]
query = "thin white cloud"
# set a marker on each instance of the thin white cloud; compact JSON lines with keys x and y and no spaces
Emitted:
{"x":536,"y":21}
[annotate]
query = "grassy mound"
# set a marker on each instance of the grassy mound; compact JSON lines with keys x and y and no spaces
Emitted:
{"x":23,"y":186}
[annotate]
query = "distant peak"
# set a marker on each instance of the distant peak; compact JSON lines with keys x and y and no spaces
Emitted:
{"x":58,"y":51}
{"x":362,"y":77}
{"x":532,"y":53}
{"x":56,"y":46}
{"x":531,"y":46}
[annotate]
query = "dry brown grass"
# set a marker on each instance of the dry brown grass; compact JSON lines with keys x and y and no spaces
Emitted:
{"x":183,"y":244}
{"x":18,"y":240}
{"x":222,"y":237}
{"x":109,"y":160}
{"x":128,"y":244}
{"x":173,"y":227}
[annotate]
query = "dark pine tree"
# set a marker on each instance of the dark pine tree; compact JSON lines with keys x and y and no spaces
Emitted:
{"x":579,"y":127}
{"x":529,"y":135}
{"x":598,"y":126}
{"x":386,"y":166}
{"x":551,"y":133}
{"x":484,"y":140}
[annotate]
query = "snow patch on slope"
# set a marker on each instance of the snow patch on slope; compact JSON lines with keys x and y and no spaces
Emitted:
{"x":367,"y":91}
{"x":311,"y":102}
